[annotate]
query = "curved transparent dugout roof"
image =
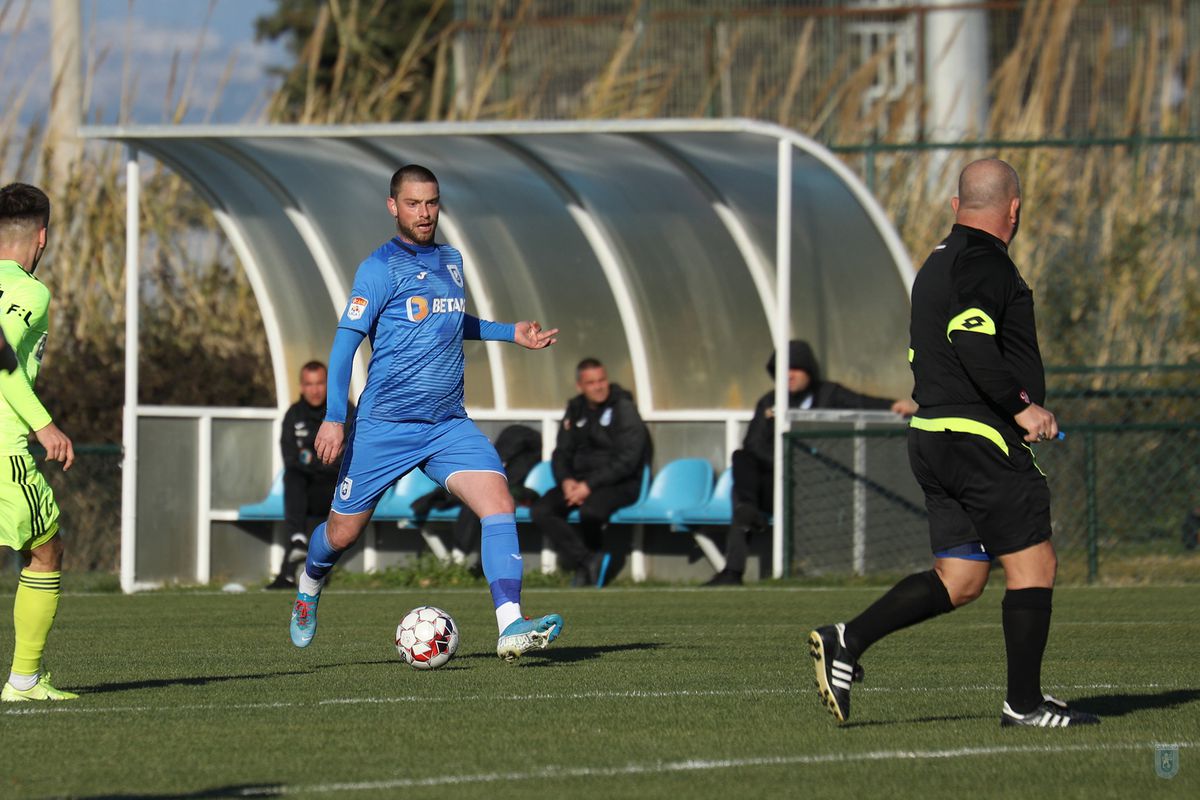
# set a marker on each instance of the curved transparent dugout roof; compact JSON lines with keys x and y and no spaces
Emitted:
{"x":651,"y":245}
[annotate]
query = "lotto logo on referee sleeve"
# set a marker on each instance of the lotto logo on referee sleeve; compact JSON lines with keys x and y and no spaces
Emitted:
{"x":356,"y":308}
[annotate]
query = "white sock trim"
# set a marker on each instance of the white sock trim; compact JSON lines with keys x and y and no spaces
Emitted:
{"x":507,"y":614}
{"x":310,"y":585}
{"x":23,"y":683}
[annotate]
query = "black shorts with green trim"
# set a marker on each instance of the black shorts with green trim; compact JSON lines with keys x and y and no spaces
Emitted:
{"x":981,"y":484}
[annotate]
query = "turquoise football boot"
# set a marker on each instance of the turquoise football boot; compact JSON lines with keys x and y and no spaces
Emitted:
{"x":304,"y":619}
{"x":528,"y":634}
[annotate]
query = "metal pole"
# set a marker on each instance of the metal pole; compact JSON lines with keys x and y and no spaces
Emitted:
{"x":860,"y":502}
{"x":129,"y":417}
{"x":204,"y":466}
{"x":783,"y":297}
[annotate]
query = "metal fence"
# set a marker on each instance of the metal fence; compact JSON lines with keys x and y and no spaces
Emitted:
{"x":1119,"y":496}
{"x":825,"y":67}
{"x":89,"y":499}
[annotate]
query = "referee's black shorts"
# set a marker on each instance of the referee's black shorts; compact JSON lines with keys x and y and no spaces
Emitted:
{"x":981,"y":485}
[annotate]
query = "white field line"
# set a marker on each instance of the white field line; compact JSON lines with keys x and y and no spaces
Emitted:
{"x":698,"y":765}
{"x":81,"y":708}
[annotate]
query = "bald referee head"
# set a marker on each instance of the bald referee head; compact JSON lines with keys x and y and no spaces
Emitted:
{"x":989,"y":198}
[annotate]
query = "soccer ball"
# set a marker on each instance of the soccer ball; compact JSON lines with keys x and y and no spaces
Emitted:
{"x":426,"y":638}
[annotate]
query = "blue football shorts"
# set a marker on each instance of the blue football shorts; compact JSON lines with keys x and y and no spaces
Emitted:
{"x":381,"y":452}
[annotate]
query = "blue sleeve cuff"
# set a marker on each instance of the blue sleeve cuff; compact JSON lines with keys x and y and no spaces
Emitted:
{"x":488,"y":331}
{"x":341,"y":364}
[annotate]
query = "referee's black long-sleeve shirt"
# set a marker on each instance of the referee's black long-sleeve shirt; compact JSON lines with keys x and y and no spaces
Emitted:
{"x":973,"y":336}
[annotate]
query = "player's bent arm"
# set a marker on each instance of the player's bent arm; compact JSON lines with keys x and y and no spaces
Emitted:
{"x":484,"y":330}
{"x":58,"y":445}
{"x":19,"y":393}
{"x":981,"y":358}
{"x":341,"y":364}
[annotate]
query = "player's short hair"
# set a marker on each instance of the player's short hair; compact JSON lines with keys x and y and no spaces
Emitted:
{"x":587,"y":363}
{"x":24,"y":210}
{"x":410,"y":173}
{"x":313,"y":366}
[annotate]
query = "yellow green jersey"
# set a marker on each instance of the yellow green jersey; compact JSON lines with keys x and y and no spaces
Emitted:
{"x":25,"y":320}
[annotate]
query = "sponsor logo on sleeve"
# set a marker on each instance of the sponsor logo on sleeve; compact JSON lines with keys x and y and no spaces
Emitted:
{"x":356,"y":308}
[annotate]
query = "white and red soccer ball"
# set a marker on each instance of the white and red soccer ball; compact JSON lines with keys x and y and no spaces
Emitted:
{"x":426,"y":638}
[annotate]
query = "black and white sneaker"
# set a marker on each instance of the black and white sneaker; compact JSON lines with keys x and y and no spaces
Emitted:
{"x":836,"y":669}
{"x":1051,"y":713}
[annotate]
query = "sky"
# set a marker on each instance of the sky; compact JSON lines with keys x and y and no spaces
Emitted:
{"x":133,"y":42}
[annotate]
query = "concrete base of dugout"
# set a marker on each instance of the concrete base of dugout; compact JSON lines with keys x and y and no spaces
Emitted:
{"x":250,"y":552}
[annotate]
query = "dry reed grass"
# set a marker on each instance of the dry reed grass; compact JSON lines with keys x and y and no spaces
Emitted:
{"x":202,"y":336}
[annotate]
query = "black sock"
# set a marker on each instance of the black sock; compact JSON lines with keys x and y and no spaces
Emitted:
{"x":914,"y":599}
{"x":1026,"y":618}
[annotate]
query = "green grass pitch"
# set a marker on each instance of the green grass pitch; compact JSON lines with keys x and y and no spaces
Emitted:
{"x":679,"y":693}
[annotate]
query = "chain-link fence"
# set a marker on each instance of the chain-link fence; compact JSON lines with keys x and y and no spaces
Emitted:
{"x":89,"y":499}
{"x":1120,"y":494}
{"x":805,"y":63}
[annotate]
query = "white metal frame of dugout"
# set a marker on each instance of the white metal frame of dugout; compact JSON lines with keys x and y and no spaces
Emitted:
{"x":762,"y":194}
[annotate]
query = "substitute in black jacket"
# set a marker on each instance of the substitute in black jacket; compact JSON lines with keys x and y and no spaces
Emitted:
{"x":979,"y":379}
{"x":753,"y":465}
{"x":603,"y":447}
{"x":308,"y":485}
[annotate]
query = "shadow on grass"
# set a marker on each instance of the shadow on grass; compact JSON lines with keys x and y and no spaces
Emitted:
{"x":566,"y":655}
{"x":871,"y":723}
{"x":1118,"y":705}
{"x":239,"y":790}
{"x":1103,"y":705}
{"x":206,"y":680}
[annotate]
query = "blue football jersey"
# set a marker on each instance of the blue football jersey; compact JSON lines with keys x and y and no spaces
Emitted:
{"x":410,"y":300}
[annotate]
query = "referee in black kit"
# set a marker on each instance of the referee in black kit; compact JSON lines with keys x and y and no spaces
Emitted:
{"x":980,"y":384}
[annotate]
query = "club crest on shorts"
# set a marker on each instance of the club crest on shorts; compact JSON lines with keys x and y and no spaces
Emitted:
{"x":455,"y":274}
{"x":1166,"y":760}
{"x":356,"y":308}
{"x":344,"y":489}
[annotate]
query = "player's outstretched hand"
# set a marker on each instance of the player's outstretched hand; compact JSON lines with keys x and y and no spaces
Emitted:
{"x":1039,"y":424}
{"x":531,"y":335}
{"x":328,"y":444}
{"x":58,"y":445}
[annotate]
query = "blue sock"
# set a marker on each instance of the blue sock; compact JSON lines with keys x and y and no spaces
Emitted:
{"x":321,"y":556}
{"x":501,"y":556}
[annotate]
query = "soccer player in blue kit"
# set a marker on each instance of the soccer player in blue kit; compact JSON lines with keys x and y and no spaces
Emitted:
{"x":409,"y":298}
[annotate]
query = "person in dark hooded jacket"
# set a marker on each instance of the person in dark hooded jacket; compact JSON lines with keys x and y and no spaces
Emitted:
{"x":602,"y":449}
{"x":753,"y":464}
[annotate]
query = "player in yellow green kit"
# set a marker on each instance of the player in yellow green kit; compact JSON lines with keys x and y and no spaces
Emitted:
{"x":28,"y":513}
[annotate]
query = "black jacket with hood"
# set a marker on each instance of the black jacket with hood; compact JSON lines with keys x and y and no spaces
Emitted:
{"x":825,"y":394}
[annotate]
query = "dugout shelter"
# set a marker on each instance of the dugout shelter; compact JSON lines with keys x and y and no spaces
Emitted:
{"x":653,"y":245}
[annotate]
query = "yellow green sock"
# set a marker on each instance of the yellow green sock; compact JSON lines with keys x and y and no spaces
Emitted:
{"x":34,"y":608}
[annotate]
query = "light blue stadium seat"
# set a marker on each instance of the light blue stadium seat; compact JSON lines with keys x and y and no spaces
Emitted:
{"x":685,"y":483}
{"x":270,"y":508}
{"x":717,"y":511}
{"x":396,"y":502}
{"x":541,"y":480}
